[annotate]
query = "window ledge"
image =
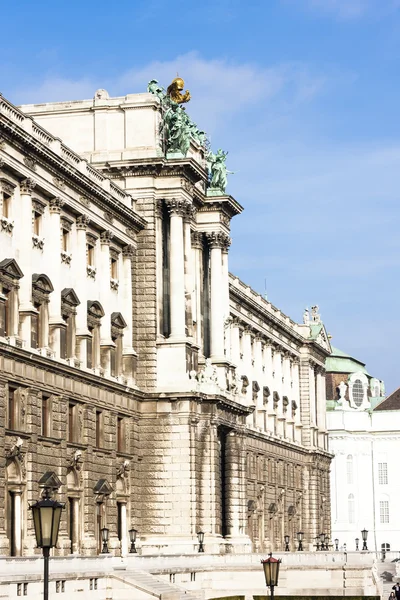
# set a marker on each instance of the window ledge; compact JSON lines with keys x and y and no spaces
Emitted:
{"x":66,"y":257}
{"x":91,"y":271}
{"x":6,"y":224}
{"x":38,"y":242}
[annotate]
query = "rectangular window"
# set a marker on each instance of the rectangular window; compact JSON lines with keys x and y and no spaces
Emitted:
{"x":37,"y":223}
{"x":6,"y":205}
{"x":384,"y":511}
{"x":121,"y":434}
{"x":4,"y":312}
{"x":113,"y":362}
{"x":46,"y":416}
{"x":71,"y":422}
{"x":65,"y":240}
{"x":382,"y":473}
{"x":89,"y":349}
{"x":90,"y":255}
{"x":11,"y":408}
{"x":63,"y":340}
{"x":114,"y":267}
{"x":99,"y":428}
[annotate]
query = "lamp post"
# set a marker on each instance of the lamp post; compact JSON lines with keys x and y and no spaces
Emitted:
{"x":200,"y":537}
{"x":271,"y":571}
{"x":364,"y":534}
{"x":300,"y":540}
{"x":357,"y":540}
{"x":336,"y":540}
{"x":287,"y":539}
{"x":317,"y":542}
{"x":46,"y":515}
{"x":132,"y":537}
{"x":104,"y":537}
{"x":322,"y":538}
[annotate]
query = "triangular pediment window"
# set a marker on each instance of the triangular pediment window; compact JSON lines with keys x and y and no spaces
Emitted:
{"x":102,"y":488}
{"x":10,"y":268}
{"x":117,"y":320}
{"x":69,"y":296}
{"x":42,"y":283}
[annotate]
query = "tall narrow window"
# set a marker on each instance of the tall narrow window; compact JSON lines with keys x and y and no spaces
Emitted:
{"x":37,"y":222}
{"x":350,"y":475}
{"x":99,"y":426}
{"x":95,"y":313}
{"x":118,"y":325}
{"x":113,"y":264}
{"x":45,"y":416}
{"x":89,"y":349}
{"x":6,"y":205}
{"x":382,"y":473}
{"x":11,"y":421}
{"x":65,"y":240}
{"x":4,"y":312}
{"x":351,"y":508}
{"x":35,"y":324}
{"x":358,"y":392}
{"x":384,"y":511}
{"x":63,"y":339}
{"x":120,"y":434}
{"x":205,"y":298}
{"x":71,"y":422}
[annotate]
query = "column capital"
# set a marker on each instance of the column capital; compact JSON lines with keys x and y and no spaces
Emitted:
{"x":176,"y":207}
{"x":27,"y":185}
{"x":215,"y":239}
{"x":197,"y":238}
{"x":82,"y":222}
{"x":128,"y":251}
{"x":56,"y":204}
{"x":190,"y":213}
{"x":227,"y":241}
{"x":106,"y":237}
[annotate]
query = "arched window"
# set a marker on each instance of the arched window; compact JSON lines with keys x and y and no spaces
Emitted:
{"x":351,"y":508}
{"x":384,"y":510}
{"x":385,"y":547}
{"x":358,"y":392}
{"x":350,"y":471}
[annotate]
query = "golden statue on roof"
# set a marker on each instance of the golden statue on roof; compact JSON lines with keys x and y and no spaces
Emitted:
{"x":174,"y":91}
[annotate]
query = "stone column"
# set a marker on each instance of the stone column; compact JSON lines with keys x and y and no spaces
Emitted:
{"x":215,"y":241}
{"x":54,"y":248}
{"x":124,"y":530}
{"x":235,"y":342}
{"x":176,"y":210}
{"x":25,"y":252}
{"x":75,"y":532}
{"x":129,"y":354}
{"x":4,"y":542}
{"x":225,"y":287}
{"x":16,"y":498}
{"x":82,"y":332}
{"x":189,"y":280}
{"x":197,"y":254}
{"x":234,"y":485}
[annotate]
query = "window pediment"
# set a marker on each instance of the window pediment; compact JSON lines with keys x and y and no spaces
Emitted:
{"x":95,"y":309}
{"x":41,"y":283}
{"x":117,"y":320}
{"x":9,"y":267}
{"x":69,"y":296}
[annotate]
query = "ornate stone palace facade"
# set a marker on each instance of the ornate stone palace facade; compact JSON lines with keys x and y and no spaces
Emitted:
{"x":164,"y":393}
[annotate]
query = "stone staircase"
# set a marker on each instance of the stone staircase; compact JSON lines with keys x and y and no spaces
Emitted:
{"x":152,"y":586}
{"x":387,"y":575}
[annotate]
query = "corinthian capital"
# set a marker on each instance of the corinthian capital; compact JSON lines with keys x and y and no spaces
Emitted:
{"x":56,"y":204}
{"x":197,"y":239}
{"x":128,"y":251}
{"x":176,"y":207}
{"x":27,"y":185}
{"x":215,"y":239}
{"x":106,"y":237}
{"x":82,"y":222}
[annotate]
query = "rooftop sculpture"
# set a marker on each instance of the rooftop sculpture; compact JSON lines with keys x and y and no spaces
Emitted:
{"x":178,"y":130}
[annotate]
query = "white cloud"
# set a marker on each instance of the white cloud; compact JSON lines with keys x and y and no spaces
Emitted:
{"x":220,"y":88}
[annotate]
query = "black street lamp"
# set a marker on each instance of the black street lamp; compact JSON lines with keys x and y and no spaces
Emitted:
{"x":46,"y":520}
{"x":364,"y":534}
{"x":300,"y":540}
{"x":322,"y":537}
{"x":336,"y":540}
{"x":287,"y":539}
{"x":132,"y":537}
{"x":317,"y":542}
{"x":271,"y":571}
{"x":357,"y":540}
{"x":383,"y":557}
{"x":200,"y":537}
{"x":104,"y":537}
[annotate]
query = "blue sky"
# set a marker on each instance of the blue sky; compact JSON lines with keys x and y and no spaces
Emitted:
{"x":304,"y":94}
